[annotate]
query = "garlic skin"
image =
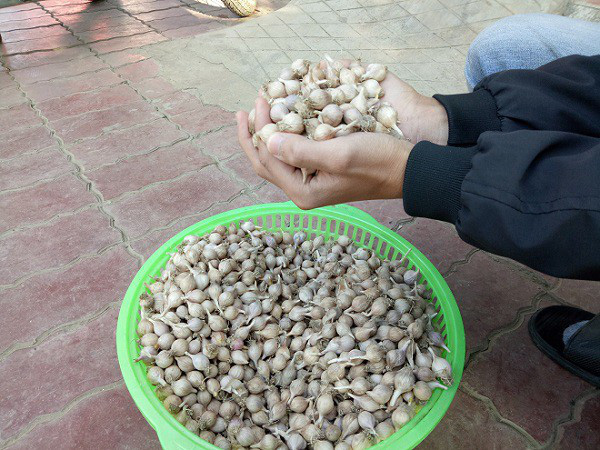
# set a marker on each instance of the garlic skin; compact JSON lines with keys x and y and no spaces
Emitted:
{"x":331,"y":115}
{"x":347,"y":76}
{"x":388,"y":117}
{"x":287,"y":74}
{"x":349,"y":90}
{"x":275,"y":89}
{"x":324,"y":132}
{"x":292,"y":87}
{"x":360,"y":101}
{"x":300,"y":67}
{"x":310,"y":126}
{"x":251,"y":118}
{"x":267,"y":131}
{"x":278,"y":112}
{"x":376,"y":72}
{"x":291,"y":123}
{"x":372,"y":88}
{"x":319,"y":99}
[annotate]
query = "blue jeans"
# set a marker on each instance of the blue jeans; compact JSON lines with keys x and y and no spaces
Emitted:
{"x":527,"y":41}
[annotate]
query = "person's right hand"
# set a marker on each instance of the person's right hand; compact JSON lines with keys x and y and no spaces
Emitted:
{"x":420,"y":118}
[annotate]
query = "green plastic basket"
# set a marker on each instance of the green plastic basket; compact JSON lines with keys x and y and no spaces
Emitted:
{"x":330,"y":222}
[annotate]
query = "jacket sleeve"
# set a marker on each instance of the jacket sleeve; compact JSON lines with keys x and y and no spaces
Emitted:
{"x":533,"y":196}
{"x":563,"y":95}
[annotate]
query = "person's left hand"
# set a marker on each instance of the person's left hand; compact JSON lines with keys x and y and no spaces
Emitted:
{"x":360,"y":166}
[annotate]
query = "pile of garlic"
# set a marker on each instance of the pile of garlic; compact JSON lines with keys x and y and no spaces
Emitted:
{"x":327,"y":102}
{"x":275,"y":341}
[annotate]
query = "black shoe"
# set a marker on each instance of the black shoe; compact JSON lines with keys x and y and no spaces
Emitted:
{"x":580,"y":355}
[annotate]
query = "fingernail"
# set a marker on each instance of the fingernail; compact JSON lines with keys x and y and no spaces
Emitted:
{"x":275,"y":143}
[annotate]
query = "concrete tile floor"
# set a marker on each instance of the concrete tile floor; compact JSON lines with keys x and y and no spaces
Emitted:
{"x":116,"y":131}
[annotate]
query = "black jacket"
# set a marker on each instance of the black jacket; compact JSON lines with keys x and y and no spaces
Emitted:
{"x":521,"y":174}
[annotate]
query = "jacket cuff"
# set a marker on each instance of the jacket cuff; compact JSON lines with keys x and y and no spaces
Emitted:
{"x":469,"y":115}
{"x":433,"y":180}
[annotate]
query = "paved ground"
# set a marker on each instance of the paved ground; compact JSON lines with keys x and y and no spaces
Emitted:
{"x":116,"y":131}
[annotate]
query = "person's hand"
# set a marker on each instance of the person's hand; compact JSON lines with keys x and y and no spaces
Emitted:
{"x":360,"y":166}
{"x":420,"y":118}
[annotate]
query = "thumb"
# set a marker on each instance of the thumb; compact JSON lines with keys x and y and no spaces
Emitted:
{"x":299,"y":151}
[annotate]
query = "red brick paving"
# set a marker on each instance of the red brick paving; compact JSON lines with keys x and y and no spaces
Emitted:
{"x":25,"y":141}
{"x":139,"y":171}
{"x":461,"y":428}
{"x":81,"y":103}
{"x":76,"y":292}
{"x":122,"y":43}
{"x":56,"y":243}
{"x":522,"y":382}
{"x":42,"y":201}
{"x":61,"y":87}
{"x":203,"y":120}
{"x":43,"y":21}
{"x":18,"y":116}
{"x":478,"y":286}
{"x":585,"y":294}
{"x":92,"y":423}
{"x":97,"y":123}
{"x":161,"y":203}
{"x":32,"y":167}
{"x":33,"y":33}
{"x":50,"y":377}
{"x":58,"y":70}
{"x":584,"y":432}
{"x":149,"y":151}
{"x":112,"y":146}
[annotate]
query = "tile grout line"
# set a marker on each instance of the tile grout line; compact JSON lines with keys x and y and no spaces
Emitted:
{"x":49,"y":221}
{"x":52,"y":417}
{"x":65,"y":266}
{"x":497,"y":333}
{"x":35,"y":184}
{"x":572,"y":417}
{"x":493,"y":410}
{"x":147,"y":100}
{"x":244,"y":191}
{"x":461,"y":262}
{"x":79,"y":174}
{"x":61,"y":328}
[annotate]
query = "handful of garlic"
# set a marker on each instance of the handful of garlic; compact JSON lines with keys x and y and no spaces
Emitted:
{"x":327,"y":102}
{"x":278,"y":341}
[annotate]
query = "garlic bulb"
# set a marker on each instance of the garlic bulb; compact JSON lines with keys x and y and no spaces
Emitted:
{"x":267,"y":131}
{"x":270,"y":339}
{"x":376,"y":72}
{"x":372,"y":88}
{"x":300,"y":67}
{"x":331,"y":115}
{"x":319,"y":99}
{"x":347,"y":76}
{"x":292,"y":87}
{"x":360,"y":101}
{"x":388,"y":117}
{"x":278,"y":112}
{"x":275,"y":89}
{"x":291,"y":123}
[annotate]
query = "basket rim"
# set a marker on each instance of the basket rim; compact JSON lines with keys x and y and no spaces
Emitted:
{"x":172,"y":435}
